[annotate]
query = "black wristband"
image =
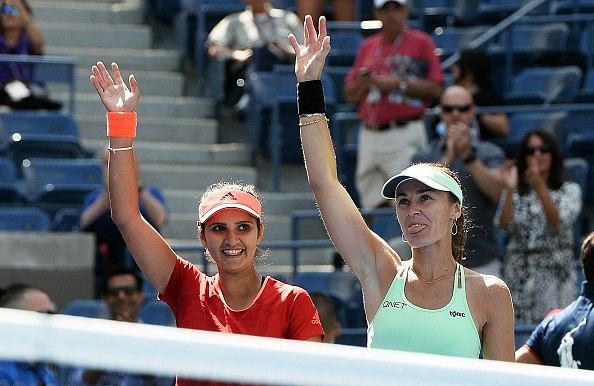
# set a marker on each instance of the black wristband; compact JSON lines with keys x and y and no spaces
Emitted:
{"x":310,"y":97}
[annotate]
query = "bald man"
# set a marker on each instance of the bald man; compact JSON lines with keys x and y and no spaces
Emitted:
{"x":28,"y":298}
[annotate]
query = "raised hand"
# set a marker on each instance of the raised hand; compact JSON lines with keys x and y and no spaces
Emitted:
{"x":114,"y":93}
{"x":533,"y":176}
{"x":508,"y":173}
{"x":310,"y":57}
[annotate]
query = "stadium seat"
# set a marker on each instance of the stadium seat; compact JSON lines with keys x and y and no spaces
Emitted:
{"x":545,"y":85}
{"x":576,"y":170}
{"x":434,"y":13}
{"x":345,"y":126}
{"x":66,"y":220}
{"x":449,"y":40}
{"x":576,"y":122}
{"x":56,"y":183}
{"x":586,"y":45}
{"x":156,"y":312}
{"x":39,"y":135}
{"x":343,"y":286}
{"x":345,"y":43}
{"x":23,"y":219}
{"x":493,"y":11}
{"x":522,"y":123}
{"x":210,"y":12}
{"x":9,"y":184}
{"x":88,"y":308}
{"x":338,"y":74}
{"x":569,"y":6}
{"x":586,"y":92}
{"x":353,"y":337}
{"x":582,"y":146}
{"x":522,"y":333}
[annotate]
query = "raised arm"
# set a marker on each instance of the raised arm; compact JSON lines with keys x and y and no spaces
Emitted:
{"x":150,"y":251}
{"x":371,"y":259}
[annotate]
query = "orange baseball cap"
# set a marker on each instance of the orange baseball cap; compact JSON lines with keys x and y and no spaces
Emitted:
{"x":226,"y":199}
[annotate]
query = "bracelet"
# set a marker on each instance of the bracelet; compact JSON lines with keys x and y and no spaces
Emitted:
{"x":121,"y":124}
{"x":301,"y":124}
{"x":310,"y":97}
{"x":116,"y":149}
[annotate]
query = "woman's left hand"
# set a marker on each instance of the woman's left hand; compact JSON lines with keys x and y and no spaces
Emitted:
{"x":310,"y":57}
{"x":533,"y":176}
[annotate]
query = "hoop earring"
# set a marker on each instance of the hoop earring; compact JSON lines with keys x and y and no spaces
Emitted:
{"x":454,"y":229}
{"x":403,"y":239}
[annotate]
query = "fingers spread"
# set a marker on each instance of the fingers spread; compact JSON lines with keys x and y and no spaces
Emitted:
{"x":294,"y":43}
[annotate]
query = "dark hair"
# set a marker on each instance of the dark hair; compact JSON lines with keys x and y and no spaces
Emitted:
{"x":118,"y":270}
{"x":475,"y":62}
{"x":14,"y":292}
{"x":587,"y":257}
{"x":327,"y":309}
{"x":555,"y":175}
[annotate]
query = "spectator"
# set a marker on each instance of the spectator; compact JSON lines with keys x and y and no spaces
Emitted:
{"x":20,"y":35}
{"x":396,"y":74}
{"x":342,"y":10}
{"x":410,"y":304}
{"x":477,"y":163}
{"x":328,"y":315}
{"x":237,"y":299}
{"x":566,"y":339}
{"x":252,"y":40}
{"x":122,"y":292}
{"x":25,"y":297}
{"x":537,"y":210}
{"x":96,"y":218}
{"x":473,"y":72}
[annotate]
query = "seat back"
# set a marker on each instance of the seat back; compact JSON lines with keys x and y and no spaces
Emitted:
{"x":522,"y":333}
{"x":19,"y":219}
{"x":450,"y":40}
{"x":9,"y":185}
{"x":546,"y":85}
{"x":581,"y":146}
{"x":157,"y":312}
{"x":576,"y":170}
{"x":88,"y":308}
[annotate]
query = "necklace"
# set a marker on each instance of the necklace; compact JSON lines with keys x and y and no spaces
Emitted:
{"x":432,"y":281}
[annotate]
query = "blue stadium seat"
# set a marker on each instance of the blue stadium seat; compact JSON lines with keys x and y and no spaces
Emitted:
{"x":342,"y":285}
{"x":522,"y":123}
{"x":157,"y":312}
{"x":493,"y":11}
{"x":522,"y":333}
{"x":450,"y":40}
{"x":66,"y":220}
{"x":39,"y":135}
{"x":57,"y":183}
{"x":353,"y":337}
{"x":582,"y":146}
{"x":9,"y":184}
{"x":435,"y":13}
{"x":88,"y":308}
{"x":576,"y":170}
{"x":569,"y":6}
{"x":586,"y":92}
{"x":210,"y":12}
{"x":338,"y":74}
{"x":576,"y":122}
{"x":345,"y":127}
{"x":586,"y":45}
{"x":545,"y":85}
{"x":23,"y":219}
{"x":345,"y":43}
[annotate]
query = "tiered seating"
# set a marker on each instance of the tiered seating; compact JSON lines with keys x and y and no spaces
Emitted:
{"x":545,"y":85}
{"x":23,"y":219}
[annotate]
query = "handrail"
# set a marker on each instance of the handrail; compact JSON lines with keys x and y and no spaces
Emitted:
{"x":495,"y":30}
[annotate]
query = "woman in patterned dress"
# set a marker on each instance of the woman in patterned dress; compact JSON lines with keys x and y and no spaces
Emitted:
{"x":537,"y":210}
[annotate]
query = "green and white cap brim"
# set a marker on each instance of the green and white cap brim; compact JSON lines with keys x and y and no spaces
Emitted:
{"x":426,"y":174}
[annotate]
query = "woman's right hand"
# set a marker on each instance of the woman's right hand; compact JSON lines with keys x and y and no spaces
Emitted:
{"x":509,"y":175}
{"x":114,"y":93}
{"x":310,"y":57}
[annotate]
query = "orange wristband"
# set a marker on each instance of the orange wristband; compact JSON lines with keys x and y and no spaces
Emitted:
{"x":121,"y":124}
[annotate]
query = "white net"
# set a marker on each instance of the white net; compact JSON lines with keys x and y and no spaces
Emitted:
{"x":94,"y":343}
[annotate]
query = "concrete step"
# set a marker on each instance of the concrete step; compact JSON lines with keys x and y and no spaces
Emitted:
{"x":151,"y":106}
{"x":183,"y":153}
{"x":194,"y":177}
{"x":129,"y":59}
{"x":165,"y":83}
{"x":76,"y":34}
{"x":182,"y":130}
{"x":87,"y":12}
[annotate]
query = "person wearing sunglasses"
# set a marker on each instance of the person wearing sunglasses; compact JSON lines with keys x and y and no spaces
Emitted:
{"x":25,"y":297}
{"x":537,"y":211}
{"x":122,"y":293}
{"x":476,"y":162}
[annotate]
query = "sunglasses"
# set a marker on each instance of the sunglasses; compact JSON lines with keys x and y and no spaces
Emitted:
{"x":128,"y":291}
{"x":461,"y":108}
{"x":9,"y":10}
{"x":530,"y":150}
